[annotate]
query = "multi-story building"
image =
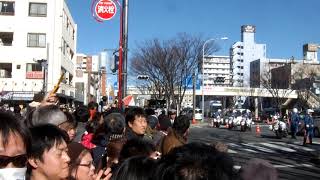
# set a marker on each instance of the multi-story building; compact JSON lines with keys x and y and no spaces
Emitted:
{"x":217,"y":71}
{"x":36,"y":35}
{"x":261,"y":70}
{"x":242,"y":53}
{"x":90,"y":80}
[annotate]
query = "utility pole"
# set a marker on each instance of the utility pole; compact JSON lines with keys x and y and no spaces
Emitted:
{"x":193,"y":95}
{"x":125,"y":46}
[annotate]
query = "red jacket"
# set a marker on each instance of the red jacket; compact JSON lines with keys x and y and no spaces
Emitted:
{"x":86,"y":140}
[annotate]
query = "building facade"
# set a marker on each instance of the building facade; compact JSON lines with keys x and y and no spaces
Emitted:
{"x":242,"y":53}
{"x":35,"y":37}
{"x":90,"y":80}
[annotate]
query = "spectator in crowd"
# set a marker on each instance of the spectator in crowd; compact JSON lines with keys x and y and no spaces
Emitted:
{"x":138,"y":147}
{"x":177,"y":136}
{"x":49,"y":114}
{"x":258,"y":169}
{"x":14,"y":141}
{"x":164,"y":122}
{"x":17,"y":111}
{"x":47,"y":157}
{"x":136,"y":123}
{"x":152,"y":119}
{"x":86,"y":139}
{"x":195,"y":161}
{"x":70,"y":126}
{"x":115,"y":126}
{"x":219,"y":146}
{"x":111,"y":136}
{"x":82,"y":113}
{"x":81,"y":164}
{"x":172,"y":116}
{"x":136,"y":168}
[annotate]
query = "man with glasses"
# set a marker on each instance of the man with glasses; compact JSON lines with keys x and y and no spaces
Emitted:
{"x":47,"y":157}
{"x":14,"y":142}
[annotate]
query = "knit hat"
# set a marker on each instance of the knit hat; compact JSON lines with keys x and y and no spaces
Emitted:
{"x":74,"y":151}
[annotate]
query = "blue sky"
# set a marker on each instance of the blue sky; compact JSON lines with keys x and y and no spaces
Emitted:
{"x":284,"y":25}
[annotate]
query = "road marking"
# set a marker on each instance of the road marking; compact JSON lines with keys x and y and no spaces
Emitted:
{"x":259,"y":148}
{"x":278,"y":147}
{"x":295,"y":146}
{"x":281,"y":166}
{"x":232,"y":151}
{"x":250,"y":150}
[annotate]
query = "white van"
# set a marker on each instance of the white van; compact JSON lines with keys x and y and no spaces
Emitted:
{"x":198,"y":114}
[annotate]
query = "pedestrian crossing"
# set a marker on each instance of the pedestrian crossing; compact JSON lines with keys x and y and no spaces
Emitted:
{"x":268,"y":147}
{"x":292,"y":160}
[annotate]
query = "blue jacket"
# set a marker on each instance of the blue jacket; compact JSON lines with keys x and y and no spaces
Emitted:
{"x":295,"y":119}
{"x":308,"y":122}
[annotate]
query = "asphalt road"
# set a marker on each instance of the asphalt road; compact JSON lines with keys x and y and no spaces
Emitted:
{"x":291,"y":159}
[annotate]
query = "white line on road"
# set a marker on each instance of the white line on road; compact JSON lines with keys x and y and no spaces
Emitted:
{"x":232,"y":151}
{"x":259,"y":148}
{"x":278,"y":147}
{"x":294,"y":146}
{"x":283,"y":166}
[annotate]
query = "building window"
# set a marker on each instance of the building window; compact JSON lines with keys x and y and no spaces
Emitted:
{"x":36,"y":40}
{"x":38,"y":9}
{"x":5,"y":70}
{"x":6,"y":38}
{"x":6,"y":8}
{"x":34,"y":67}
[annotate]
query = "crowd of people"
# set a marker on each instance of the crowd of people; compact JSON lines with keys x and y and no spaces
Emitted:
{"x":132,"y":145}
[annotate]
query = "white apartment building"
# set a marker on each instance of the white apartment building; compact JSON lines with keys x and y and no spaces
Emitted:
{"x":32,"y":31}
{"x":242,"y":53}
{"x":217,"y":71}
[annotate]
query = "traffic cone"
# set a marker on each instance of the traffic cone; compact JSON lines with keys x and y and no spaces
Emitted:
{"x":258,"y":130}
{"x":194,"y":121}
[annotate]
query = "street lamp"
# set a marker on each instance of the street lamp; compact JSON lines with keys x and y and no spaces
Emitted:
{"x":204,"y":44}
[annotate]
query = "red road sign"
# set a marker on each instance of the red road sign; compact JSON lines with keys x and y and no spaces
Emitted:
{"x":106,"y":9}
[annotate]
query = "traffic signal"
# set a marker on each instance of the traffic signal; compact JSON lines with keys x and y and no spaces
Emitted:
{"x":142,"y":77}
{"x":114,"y":63}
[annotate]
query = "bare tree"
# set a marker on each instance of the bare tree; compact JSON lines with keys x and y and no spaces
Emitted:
{"x":278,"y":83}
{"x":302,"y":82}
{"x":169,"y":64}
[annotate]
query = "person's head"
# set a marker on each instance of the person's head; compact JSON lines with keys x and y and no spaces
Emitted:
{"x":92,"y":126}
{"x":17,"y":109}
{"x":82,"y":113}
{"x":137,"y":147}
{"x":48,"y":156}
{"x":81,"y":162}
{"x":50,"y":114}
{"x":136,"y":120}
{"x":195,"y":161}
{"x":135,"y":168}
{"x":172,"y":114}
{"x":181,"y":125}
{"x":14,"y":141}
{"x":295,"y":110}
{"x":310,"y":111}
{"x":70,"y":126}
{"x":258,"y":169}
{"x":114,"y":124}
